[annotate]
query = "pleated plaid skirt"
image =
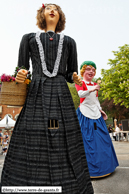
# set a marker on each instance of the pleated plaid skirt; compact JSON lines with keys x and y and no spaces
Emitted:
{"x":38,"y":156}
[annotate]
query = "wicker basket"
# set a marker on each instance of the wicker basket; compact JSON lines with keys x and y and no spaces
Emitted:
{"x":13,"y":94}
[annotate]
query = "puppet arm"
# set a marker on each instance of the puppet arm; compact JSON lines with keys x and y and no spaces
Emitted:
{"x":104,"y":115}
{"x":83,"y":94}
{"x":98,"y":103}
{"x":77,"y":80}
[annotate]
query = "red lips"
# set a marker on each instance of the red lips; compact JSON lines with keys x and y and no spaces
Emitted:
{"x":52,"y":14}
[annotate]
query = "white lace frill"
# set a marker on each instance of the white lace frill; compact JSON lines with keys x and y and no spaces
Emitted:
{"x":41,"y":52}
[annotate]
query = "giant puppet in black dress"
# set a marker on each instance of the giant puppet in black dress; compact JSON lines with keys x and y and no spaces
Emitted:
{"x":39,"y":155}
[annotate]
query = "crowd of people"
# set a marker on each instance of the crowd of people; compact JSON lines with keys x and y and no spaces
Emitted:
{"x":116,"y":133}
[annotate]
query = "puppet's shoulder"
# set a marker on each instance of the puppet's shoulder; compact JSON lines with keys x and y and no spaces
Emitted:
{"x":27,"y":37}
{"x":69,"y":40}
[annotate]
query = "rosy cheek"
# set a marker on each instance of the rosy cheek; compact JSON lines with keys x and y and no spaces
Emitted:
{"x":85,"y":75}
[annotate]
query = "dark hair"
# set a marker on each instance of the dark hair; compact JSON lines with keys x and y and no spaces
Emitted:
{"x":41,"y":22}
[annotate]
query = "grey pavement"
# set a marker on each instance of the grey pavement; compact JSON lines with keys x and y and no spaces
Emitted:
{"x":118,"y":181}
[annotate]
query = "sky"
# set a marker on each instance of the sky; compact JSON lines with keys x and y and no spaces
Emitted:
{"x":98,"y":27}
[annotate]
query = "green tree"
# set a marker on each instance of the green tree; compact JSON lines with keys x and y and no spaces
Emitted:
{"x":115,"y":81}
{"x":74,"y":94}
{"x":115,"y":111}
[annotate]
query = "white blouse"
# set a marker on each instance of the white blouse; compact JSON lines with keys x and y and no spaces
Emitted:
{"x":90,"y":107}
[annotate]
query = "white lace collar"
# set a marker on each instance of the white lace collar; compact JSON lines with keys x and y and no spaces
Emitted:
{"x":41,"y":52}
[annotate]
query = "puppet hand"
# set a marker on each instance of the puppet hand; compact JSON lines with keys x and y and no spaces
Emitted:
{"x":104,"y":115}
{"x":77,"y":80}
{"x":97,"y":87}
{"x":21,"y":76}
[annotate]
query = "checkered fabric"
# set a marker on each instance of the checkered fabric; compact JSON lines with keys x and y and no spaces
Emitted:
{"x":38,"y":156}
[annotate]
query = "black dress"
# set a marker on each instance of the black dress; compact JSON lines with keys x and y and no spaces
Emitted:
{"x":38,"y":156}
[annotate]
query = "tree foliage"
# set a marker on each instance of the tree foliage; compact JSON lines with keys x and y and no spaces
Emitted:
{"x":115,"y":111}
{"x":115,"y":81}
{"x":74,"y":94}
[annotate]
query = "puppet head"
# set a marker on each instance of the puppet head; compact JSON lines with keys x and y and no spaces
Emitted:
{"x":47,"y":10}
{"x":88,"y":70}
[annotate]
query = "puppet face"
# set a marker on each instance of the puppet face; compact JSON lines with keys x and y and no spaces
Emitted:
{"x":51,"y":14}
{"x":89,"y":73}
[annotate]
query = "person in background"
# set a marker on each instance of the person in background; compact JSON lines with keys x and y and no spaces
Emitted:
{"x":5,"y":146}
{"x":120,"y":126}
{"x":114,"y":135}
{"x":123,"y":134}
{"x":1,"y":136}
{"x":110,"y":130}
{"x":6,"y":136}
{"x":119,"y":134}
{"x":117,"y":130}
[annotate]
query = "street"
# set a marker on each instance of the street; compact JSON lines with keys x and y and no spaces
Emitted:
{"x":118,"y":181}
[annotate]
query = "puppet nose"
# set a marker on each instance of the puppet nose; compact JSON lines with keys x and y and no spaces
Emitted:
{"x":52,"y":11}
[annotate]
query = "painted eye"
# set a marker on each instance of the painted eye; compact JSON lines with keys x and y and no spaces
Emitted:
{"x":48,"y":8}
{"x":88,"y":69}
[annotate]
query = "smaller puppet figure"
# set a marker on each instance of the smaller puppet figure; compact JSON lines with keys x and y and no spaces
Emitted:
{"x":98,"y":146}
